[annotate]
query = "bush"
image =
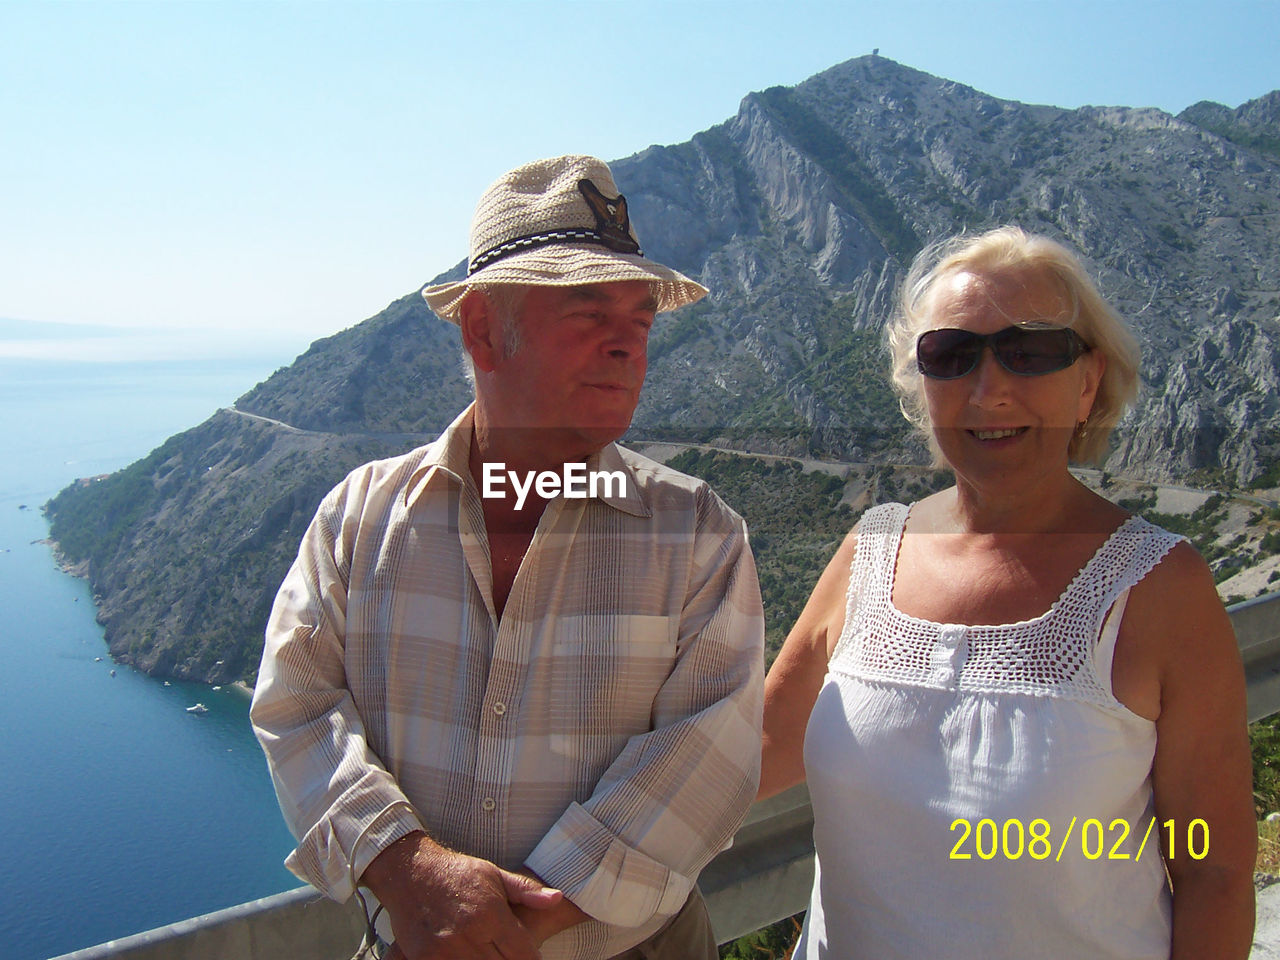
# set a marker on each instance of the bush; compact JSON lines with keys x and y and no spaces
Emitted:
{"x":1264,"y":741}
{"x":773,"y":942}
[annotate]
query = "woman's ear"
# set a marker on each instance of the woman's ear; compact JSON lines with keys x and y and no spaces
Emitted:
{"x":1095,"y":366}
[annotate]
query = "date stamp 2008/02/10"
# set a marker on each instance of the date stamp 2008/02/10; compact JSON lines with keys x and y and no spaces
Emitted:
{"x":1012,"y":840}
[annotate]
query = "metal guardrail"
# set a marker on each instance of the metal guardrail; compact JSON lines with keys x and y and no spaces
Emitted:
{"x":298,"y":925}
{"x":1257,"y":626}
{"x":766,"y":873}
{"x":763,"y":877}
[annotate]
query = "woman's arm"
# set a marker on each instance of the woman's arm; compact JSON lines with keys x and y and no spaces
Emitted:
{"x":1203,"y":771}
{"x":796,"y":675}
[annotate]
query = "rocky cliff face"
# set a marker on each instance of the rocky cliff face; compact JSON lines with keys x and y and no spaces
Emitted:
{"x":1255,"y":125}
{"x":801,"y":214}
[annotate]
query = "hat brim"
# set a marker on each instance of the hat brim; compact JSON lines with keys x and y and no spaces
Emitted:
{"x":568,"y":265}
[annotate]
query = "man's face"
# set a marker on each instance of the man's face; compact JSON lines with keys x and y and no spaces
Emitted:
{"x":579,"y":364}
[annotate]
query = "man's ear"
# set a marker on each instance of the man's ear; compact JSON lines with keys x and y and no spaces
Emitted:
{"x":481,"y":333}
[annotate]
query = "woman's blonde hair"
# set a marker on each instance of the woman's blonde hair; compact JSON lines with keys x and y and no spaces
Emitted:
{"x":1012,"y":249}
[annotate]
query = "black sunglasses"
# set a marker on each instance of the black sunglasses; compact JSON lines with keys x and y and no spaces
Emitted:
{"x":949,"y":354}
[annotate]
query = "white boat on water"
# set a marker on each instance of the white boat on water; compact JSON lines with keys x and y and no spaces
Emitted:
{"x":198,"y":708}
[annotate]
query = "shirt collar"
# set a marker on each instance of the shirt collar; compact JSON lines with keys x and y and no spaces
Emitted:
{"x":448,"y":459}
{"x":608,"y":460}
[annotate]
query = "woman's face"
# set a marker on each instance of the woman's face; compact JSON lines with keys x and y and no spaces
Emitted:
{"x":993,"y":426}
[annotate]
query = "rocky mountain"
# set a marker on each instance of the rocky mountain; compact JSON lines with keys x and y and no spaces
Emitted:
{"x":1255,"y":125}
{"x":801,"y":214}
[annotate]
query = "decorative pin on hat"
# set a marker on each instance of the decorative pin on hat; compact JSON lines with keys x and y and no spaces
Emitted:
{"x":558,"y":222}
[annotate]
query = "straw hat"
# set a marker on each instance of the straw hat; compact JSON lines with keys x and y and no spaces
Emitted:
{"x":557,"y":222}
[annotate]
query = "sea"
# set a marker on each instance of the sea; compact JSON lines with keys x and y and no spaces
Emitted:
{"x":121,"y":810}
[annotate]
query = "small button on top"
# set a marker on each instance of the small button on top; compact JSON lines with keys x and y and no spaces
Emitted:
{"x":499,"y":708}
{"x":487,"y":804}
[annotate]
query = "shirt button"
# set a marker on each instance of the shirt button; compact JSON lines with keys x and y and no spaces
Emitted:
{"x":499,"y":708}
{"x":487,"y":804}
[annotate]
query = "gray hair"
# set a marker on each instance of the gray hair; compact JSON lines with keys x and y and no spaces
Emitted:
{"x":1011,"y":248}
{"x":506,"y":300}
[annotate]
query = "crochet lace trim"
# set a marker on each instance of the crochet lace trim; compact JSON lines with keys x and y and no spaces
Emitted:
{"x":1050,"y":655}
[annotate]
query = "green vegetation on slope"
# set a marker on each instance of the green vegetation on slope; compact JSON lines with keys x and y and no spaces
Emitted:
{"x":796,"y":522}
{"x":1222,"y":121}
{"x":851,"y":373}
{"x":187,"y":547}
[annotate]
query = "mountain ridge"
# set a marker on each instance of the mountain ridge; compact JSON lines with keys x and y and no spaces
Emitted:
{"x":800,"y":213}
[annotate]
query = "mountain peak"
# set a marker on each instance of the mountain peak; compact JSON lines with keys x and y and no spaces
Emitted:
{"x":801,"y":214}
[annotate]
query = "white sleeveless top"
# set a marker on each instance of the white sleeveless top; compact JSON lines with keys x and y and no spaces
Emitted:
{"x":920,"y":724}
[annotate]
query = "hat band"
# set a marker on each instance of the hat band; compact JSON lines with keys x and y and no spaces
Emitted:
{"x":535,"y":240}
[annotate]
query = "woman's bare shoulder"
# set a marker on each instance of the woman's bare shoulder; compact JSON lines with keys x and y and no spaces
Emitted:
{"x":847,"y":550}
{"x":822,"y":619}
{"x":1181,"y":576}
{"x":833,"y":585}
{"x":1177,"y":607}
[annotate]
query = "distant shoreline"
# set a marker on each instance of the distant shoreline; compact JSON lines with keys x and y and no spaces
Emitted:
{"x":78,"y":570}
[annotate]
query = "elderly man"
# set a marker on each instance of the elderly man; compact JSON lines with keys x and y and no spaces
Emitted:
{"x":512,"y":683}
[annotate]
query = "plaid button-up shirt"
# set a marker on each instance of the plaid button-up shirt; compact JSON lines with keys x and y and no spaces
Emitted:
{"x":605,"y":731}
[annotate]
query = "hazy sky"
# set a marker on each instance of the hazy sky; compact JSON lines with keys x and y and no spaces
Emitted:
{"x":293,"y":167}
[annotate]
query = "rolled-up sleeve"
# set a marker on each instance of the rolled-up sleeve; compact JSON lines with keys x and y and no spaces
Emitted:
{"x":340,"y":802}
{"x":675,"y":795}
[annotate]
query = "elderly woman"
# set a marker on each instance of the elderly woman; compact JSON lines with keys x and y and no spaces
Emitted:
{"x":1023,"y":704}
